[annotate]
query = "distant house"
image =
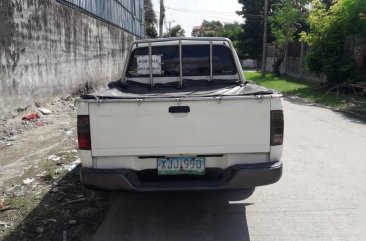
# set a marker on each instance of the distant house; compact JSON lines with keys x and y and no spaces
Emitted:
{"x":196,"y":31}
{"x":203,"y":31}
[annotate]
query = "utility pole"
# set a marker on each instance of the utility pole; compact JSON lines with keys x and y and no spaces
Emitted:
{"x":170,"y":27}
{"x":161,"y":18}
{"x":264,"y":53}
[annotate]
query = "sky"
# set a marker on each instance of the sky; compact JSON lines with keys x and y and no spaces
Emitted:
{"x":190,"y":13}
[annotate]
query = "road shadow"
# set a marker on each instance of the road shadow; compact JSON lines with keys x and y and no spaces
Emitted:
{"x":193,"y":216}
{"x":69,"y":211}
{"x":353,"y":116}
{"x":348,"y":115}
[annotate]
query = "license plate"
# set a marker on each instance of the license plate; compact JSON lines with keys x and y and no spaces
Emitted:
{"x":181,"y":166}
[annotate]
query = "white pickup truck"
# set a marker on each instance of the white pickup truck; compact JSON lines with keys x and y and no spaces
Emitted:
{"x":181,"y":118}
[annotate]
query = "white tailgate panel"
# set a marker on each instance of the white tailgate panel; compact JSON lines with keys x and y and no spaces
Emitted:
{"x":232,"y":126}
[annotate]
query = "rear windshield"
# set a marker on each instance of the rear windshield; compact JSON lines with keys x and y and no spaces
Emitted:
{"x":195,"y":61}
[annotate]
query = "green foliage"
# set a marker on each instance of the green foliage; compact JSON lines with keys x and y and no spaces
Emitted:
{"x":210,"y":29}
{"x":150,"y":19}
{"x":329,"y":27}
{"x":176,"y":31}
{"x":251,"y":38}
{"x":215,"y":26}
{"x":151,"y":31}
{"x":150,"y":15}
{"x":231,"y":31}
{"x":286,"y":19}
{"x":309,"y":91}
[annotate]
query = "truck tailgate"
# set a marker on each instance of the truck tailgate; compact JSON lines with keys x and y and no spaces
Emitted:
{"x":210,"y":127}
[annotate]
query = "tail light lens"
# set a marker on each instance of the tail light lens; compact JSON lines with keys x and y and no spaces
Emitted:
{"x":83,"y":125}
{"x":276,"y":127}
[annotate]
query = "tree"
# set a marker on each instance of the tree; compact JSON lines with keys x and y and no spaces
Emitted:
{"x":208,"y":29}
{"x":151,"y":31}
{"x":285,"y":22}
{"x":329,"y":27}
{"x":150,"y":15}
{"x":150,"y":19}
{"x":231,"y":31}
{"x":251,"y":38}
{"x":176,"y":31}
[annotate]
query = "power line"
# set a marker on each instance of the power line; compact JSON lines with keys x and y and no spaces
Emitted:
{"x":212,"y":12}
{"x":204,"y":14}
{"x":201,"y":11}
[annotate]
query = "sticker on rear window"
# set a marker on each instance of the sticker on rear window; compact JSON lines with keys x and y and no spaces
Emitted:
{"x":143,"y":66}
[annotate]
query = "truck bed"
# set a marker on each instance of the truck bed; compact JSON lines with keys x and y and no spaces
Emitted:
{"x":193,"y":90}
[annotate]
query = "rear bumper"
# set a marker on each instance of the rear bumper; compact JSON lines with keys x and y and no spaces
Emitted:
{"x":237,"y":176}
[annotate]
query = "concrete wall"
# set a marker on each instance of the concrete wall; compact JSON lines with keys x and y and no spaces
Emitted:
{"x":49,"y":49}
{"x":249,"y":63}
{"x":293,"y":69}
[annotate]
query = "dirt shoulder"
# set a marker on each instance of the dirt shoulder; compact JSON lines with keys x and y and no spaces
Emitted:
{"x":41,"y":197}
{"x":24,"y":142}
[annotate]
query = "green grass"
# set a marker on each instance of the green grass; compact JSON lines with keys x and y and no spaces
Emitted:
{"x":309,"y":91}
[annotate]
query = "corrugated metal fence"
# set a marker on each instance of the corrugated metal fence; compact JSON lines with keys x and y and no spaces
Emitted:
{"x":126,"y":14}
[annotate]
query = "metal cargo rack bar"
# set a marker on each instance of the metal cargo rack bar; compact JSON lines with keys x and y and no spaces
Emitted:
{"x":180,"y":40}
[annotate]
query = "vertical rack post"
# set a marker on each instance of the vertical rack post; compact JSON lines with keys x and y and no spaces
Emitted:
{"x":150,"y":67}
{"x":211,"y":65}
{"x":180,"y":64}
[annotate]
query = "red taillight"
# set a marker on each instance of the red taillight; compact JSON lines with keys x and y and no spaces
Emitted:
{"x":83,"y":125}
{"x":276,"y":127}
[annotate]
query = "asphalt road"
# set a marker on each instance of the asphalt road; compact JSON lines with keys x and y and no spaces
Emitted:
{"x":319,"y":197}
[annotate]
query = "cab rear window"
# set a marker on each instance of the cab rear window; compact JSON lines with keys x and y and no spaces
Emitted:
{"x":165,"y":62}
{"x":222,"y":61}
{"x":195,"y":61}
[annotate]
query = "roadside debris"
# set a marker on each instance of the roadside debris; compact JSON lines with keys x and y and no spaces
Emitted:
{"x":13,"y":138}
{"x":4,"y":225}
{"x":28,"y":181}
{"x":66,"y":98}
{"x":68,"y":167}
{"x":22,"y":108}
{"x":42,"y":174}
{"x":4,"y":207}
{"x":64,"y":236}
{"x":39,"y":123}
{"x":77,"y":200}
{"x":73,"y":222}
{"x":44,"y":111}
{"x":16,"y":190}
{"x":55,"y":189}
{"x":30,"y":117}
{"x":2,"y":200}
{"x":68,"y":133}
{"x":54,"y":158}
{"x":7,"y":208}
{"x":40,"y":230}
{"x":52,"y":220}
{"x":72,"y":165}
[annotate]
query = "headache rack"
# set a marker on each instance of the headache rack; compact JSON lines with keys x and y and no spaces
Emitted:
{"x":180,"y":40}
